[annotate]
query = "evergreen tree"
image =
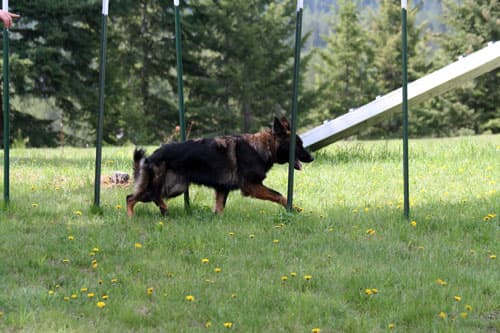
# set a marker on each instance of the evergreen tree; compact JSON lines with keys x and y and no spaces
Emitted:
{"x":246,"y":63}
{"x":344,"y":74}
{"x":53,"y":48}
{"x":472,"y":24}
{"x":385,"y":39}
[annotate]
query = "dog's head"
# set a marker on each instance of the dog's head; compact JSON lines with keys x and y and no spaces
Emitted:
{"x":281,"y":132}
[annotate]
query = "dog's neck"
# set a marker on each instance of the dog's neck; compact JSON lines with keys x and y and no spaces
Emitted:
{"x":263,"y":142}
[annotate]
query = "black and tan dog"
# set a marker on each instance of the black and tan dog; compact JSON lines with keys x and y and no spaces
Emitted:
{"x":224,"y":163}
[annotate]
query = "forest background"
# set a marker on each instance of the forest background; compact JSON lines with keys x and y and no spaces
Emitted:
{"x":238,"y":58}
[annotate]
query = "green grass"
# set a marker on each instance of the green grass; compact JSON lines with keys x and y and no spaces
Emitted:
{"x":351,"y":188}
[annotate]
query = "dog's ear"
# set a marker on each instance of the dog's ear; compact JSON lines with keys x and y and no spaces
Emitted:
{"x":278,"y":128}
{"x":285,"y":123}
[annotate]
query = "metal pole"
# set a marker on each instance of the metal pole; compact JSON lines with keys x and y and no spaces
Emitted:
{"x":405,"y":110}
{"x":6,"y":111}
{"x":178,"y":48}
{"x":100,"y":124}
{"x":291,"y":162}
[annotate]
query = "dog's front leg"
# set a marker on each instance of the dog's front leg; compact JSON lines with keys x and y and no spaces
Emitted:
{"x":162,"y":205}
{"x":262,"y":192}
{"x":131,"y":201}
{"x":220,"y":200}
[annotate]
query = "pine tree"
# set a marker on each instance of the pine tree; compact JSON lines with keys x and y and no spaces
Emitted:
{"x":344,"y":74}
{"x":472,"y":25}
{"x":53,"y":47}
{"x":246,"y":63}
{"x":385,"y":39}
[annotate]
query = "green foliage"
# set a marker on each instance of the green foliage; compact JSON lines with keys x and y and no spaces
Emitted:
{"x":472,"y":25}
{"x":366,"y":266}
{"x":344,"y":74}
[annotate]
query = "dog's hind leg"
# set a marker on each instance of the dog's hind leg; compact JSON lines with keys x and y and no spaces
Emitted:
{"x":259,"y":191}
{"x":220,"y":200}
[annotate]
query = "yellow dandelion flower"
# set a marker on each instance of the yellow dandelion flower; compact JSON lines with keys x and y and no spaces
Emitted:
{"x":118,"y":206}
{"x":234,"y":295}
{"x":367,"y":209}
{"x":94,"y":264}
{"x":71,"y":237}
{"x":441,"y":282}
{"x":374,"y":290}
{"x":217,"y":269}
{"x":284,"y":278}
{"x":457,"y":298}
{"x":442,"y":315}
{"x":252,"y":236}
{"x":150,"y":291}
{"x":138,"y":245}
{"x":190,"y":298}
{"x":101,"y":305}
{"x":78,"y":213}
{"x":100,"y":282}
{"x":316,"y":330}
{"x":293,"y":274}
{"x":391,"y":326}
{"x":208,"y":324}
{"x":307,"y":277}
{"x":275,"y":241}
{"x":51,"y":292}
{"x":468,"y":307}
{"x":231,"y":234}
{"x":368,"y":292}
{"x":228,"y":324}
{"x":83,"y":290}
{"x":65,"y":261}
{"x":90,"y":295}
{"x":105,"y":297}
{"x":204,"y":261}
{"x":463,"y":314}
{"x":34,"y":205}
{"x":413,"y":223}
{"x":160,"y":224}
{"x":114,"y":280}
{"x":370,"y":231}
{"x":493,"y":256}
{"x":74,"y":296}
{"x":66,"y":298}
{"x":95,"y":250}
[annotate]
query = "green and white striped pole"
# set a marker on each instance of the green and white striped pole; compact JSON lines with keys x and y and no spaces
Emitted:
{"x":291,"y":162}
{"x":404,"y":8}
{"x":178,"y":48}
{"x":6,"y":111}
{"x":100,"y":123}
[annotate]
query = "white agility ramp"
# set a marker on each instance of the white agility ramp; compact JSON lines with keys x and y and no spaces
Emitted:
{"x":454,"y":75}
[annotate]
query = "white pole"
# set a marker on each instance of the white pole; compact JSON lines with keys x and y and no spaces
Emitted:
{"x":300,"y":4}
{"x":176,"y":3}
{"x":404,"y":4}
{"x":5,"y":5}
{"x":105,"y":7}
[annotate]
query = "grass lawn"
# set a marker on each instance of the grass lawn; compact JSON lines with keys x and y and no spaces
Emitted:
{"x":349,"y":262}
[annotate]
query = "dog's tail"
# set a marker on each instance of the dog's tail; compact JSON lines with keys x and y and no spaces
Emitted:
{"x":139,"y":155}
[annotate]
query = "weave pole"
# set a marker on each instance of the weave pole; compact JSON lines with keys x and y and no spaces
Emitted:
{"x":6,"y":111}
{"x":180,"y":87}
{"x":100,"y":123}
{"x":404,"y":8}
{"x":293,"y":129}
